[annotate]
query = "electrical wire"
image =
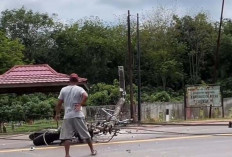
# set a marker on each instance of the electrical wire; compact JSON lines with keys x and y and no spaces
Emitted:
{"x":44,"y":137}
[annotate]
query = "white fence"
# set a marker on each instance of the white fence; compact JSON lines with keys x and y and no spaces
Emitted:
{"x":157,"y":111}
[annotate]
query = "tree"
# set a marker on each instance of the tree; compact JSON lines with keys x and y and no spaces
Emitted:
{"x":90,"y":49}
{"x":33,"y":30}
{"x":10,"y":53}
{"x":200,"y":38}
{"x":160,"y":50}
{"x":225,"y":50}
{"x":167,"y":67}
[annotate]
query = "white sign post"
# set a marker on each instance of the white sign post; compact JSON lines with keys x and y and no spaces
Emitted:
{"x":203,"y":96}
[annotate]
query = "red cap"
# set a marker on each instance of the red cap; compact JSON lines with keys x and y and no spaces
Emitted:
{"x":74,"y":77}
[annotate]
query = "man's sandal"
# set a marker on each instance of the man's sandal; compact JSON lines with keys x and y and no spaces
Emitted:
{"x":94,"y":153}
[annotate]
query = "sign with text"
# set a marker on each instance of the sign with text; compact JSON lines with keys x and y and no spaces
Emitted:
{"x":203,"y":96}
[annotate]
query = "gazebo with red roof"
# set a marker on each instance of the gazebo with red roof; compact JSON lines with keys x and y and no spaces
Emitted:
{"x":34,"y":78}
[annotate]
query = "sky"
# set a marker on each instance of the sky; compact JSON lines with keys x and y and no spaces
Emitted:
{"x":111,"y":10}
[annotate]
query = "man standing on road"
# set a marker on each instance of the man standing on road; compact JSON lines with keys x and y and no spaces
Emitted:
{"x":73,"y":97}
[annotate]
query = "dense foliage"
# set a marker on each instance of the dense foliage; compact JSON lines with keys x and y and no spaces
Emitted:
{"x":175,"y":50}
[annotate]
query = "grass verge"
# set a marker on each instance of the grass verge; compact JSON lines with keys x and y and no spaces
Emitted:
{"x":28,"y":128}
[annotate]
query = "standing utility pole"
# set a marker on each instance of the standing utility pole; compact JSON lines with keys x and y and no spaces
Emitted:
{"x":130,"y":69}
{"x":139,"y":76}
{"x":216,"y":64}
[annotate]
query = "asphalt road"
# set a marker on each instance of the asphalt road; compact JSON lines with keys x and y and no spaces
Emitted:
{"x":143,"y":141}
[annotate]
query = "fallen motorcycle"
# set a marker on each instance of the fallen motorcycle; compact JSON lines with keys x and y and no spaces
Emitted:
{"x":109,"y":128}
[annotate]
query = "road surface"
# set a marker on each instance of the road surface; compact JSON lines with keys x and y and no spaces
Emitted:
{"x":138,"y":141}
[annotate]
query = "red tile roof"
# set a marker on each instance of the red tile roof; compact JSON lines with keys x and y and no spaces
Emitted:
{"x":34,"y":75}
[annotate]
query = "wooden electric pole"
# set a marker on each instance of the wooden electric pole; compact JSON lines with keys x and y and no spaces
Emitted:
{"x":216,"y":59}
{"x":139,"y":75}
{"x":130,"y":69}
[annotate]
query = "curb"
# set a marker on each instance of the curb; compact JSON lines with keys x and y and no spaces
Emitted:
{"x":197,"y":123}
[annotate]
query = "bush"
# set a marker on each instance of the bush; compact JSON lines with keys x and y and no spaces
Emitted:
{"x":104,"y":94}
{"x":99,"y":98}
{"x":162,"y":97}
{"x":145,"y":97}
{"x":158,"y":97}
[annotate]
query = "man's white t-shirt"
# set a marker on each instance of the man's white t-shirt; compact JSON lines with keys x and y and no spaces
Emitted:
{"x":71,"y":95}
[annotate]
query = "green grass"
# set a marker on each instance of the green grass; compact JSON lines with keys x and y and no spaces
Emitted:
{"x":27,"y":128}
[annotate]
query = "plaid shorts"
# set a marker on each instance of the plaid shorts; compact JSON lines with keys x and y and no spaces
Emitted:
{"x":73,"y":125}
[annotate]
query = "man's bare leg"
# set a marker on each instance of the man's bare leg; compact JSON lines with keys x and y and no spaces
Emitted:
{"x":89,"y":141}
{"x":67,"y":147}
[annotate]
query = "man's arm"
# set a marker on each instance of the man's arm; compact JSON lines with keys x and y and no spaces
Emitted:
{"x":58,"y":108}
{"x":84,"y":99}
{"x":82,"y":103}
